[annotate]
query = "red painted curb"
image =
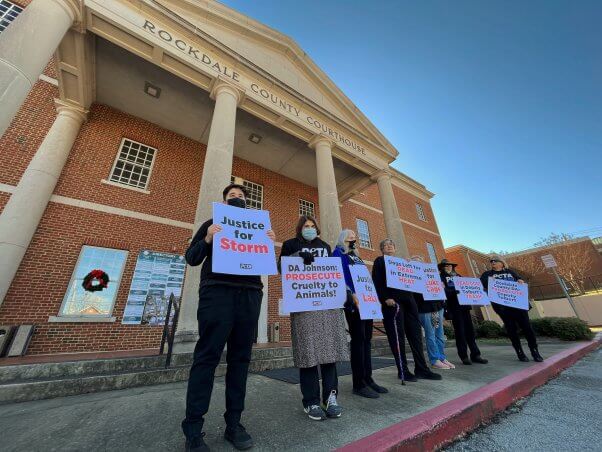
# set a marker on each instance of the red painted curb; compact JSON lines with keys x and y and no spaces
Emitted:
{"x":441,"y":425}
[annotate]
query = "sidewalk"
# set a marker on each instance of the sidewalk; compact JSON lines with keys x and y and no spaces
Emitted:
{"x":148,"y":418}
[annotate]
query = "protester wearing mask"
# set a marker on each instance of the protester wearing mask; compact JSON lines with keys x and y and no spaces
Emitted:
{"x":400,"y":318}
{"x":318,"y":337}
{"x":360,"y":330}
{"x":513,"y":318}
{"x":228,"y":311}
{"x":466,"y":338}
{"x":430,"y":313}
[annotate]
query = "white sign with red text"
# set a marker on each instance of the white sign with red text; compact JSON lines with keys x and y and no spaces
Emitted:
{"x":368,"y":303}
{"x":471,"y":292}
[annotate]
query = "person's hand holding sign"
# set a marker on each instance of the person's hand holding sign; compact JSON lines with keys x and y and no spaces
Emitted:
{"x":307,"y":257}
{"x":213,"y":229}
{"x":390,"y":302}
{"x":271,"y":235}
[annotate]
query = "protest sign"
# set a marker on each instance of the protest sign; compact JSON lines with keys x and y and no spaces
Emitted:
{"x":434,"y":288}
{"x":508,"y":293}
{"x":471,"y":291}
{"x":242,"y":247}
{"x":156,"y":277}
{"x":365,"y":292}
{"x":404,"y":275}
{"x":314,"y":287}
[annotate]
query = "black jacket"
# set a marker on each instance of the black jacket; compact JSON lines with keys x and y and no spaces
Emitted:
{"x":451,"y":294}
{"x":379,"y":277}
{"x":200,"y":252}
{"x":508,"y":275}
{"x":292,"y":247}
{"x":426,"y":306}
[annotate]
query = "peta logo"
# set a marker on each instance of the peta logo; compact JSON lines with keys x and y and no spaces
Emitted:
{"x":246,"y":266}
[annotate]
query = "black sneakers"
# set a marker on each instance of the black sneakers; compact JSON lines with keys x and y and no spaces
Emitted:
{"x":366,"y":392}
{"x":196,"y":445}
{"x":408,"y":376}
{"x":238,"y":437}
{"x":466,"y":361}
{"x":427,"y":375}
{"x":479,"y":360}
{"x":378,"y":388}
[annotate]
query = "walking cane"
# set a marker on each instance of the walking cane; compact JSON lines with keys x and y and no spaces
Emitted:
{"x":397,"y":345}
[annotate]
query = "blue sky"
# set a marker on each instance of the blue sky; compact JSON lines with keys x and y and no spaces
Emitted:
{"x":495,"y":106}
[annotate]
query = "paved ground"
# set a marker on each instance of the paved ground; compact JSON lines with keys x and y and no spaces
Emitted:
{"x":149,"y":418}
{"x":565,"y":414}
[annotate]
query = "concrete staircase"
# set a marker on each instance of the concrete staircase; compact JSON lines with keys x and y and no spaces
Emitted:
{"x":21,"y":383}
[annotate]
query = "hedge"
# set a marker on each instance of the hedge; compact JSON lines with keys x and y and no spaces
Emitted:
{"x":564,"y":328}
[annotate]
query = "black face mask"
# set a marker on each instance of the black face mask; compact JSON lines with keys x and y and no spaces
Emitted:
{"x":352,"y":244}
{"x":237,"y":202}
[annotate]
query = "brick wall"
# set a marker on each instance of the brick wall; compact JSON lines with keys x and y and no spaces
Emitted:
{"x":42,"y":280}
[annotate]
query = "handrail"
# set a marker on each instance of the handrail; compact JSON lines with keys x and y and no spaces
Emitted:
{"x":169,"y":333}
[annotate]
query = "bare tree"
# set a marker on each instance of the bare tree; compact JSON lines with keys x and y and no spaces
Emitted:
{"x":574,"y":259}
{"x":527,"y":265}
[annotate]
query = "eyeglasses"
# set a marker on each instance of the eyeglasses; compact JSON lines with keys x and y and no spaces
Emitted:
{"x":493,"y":261}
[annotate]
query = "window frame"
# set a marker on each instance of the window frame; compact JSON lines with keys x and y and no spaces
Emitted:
{"x":12,"y":12}
{"x":357,"y":225}
{"x":313,"y":207}
{"x":428,"y":251}
{"x":240,"y":181}
{"x":420,"y":212}
{"x":150,"y":168}
{"x":61,"y":315}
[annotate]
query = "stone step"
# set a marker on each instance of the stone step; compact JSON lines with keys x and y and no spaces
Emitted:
{"x":22,"y":383}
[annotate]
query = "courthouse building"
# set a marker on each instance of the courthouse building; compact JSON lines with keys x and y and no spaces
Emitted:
{"x":123,"y":120}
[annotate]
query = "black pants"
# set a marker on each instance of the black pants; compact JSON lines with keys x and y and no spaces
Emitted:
{"x":229,"y":315}
{"x":361,"y":349}
{"x":310,"y":383}
{"x":514,"y":319}
{"x":408,"y":325}
{"x":464,"y":332}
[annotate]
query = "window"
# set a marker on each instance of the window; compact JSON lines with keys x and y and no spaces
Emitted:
{"x":475,"y":267}
{"x":79,"y":302}
{"x":307,"y":208}
{"x":431,"y":250}
{"x":363,"y":234}
{"x":420,"y":212}
{"x":8,"y":12}
{"x":133,"y":164}
{"x":255,"y":192}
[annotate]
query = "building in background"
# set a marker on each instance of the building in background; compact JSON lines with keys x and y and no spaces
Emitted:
{"x":122,"y":121}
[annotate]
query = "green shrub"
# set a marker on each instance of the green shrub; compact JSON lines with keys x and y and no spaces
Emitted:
{"x":564,"y":328}
{"x":489,"y":329}
{"x":448,"y":330}
{"x":544,"y":326}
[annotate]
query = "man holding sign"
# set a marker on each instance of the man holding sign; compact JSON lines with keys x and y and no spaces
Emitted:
{"x":229,"y":305}
{"x":513,"y":317}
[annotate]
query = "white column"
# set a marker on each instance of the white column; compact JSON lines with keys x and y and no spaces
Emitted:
{"x":26,"y":46}
{"x":330,"y":215}
{"x":217,"y":171}
{"x":262,"y":324}
{"x":393,"y":224}
{"x":23,"y":212}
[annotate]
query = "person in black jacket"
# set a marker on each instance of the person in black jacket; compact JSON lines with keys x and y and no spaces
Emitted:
{"x":400,"y":319}
{"x":513,"y":318}
{"x":228,"y":312}
{"x":318,"y":337}
{"x":466,"y":338}
{"x":360,"y":330}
